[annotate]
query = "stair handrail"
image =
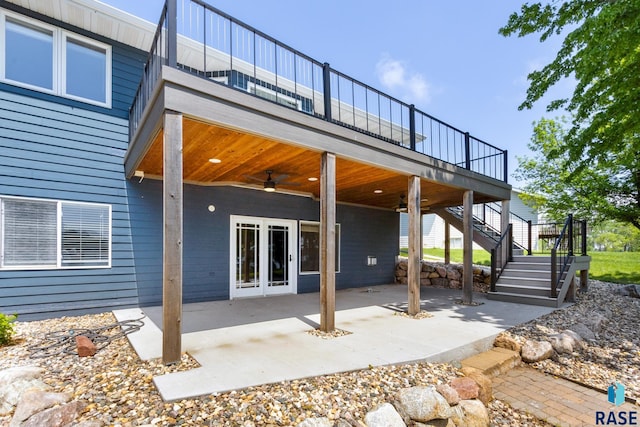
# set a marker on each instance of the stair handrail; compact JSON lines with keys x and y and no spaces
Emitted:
{"x":498,"y":261}
{"x":561,"y":254}
{"x":457,"y":212}
{"x":525,"y":241}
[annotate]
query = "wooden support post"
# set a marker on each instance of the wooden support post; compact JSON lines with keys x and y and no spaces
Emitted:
{"x":172,"y":239}
{"x":467,"y":248}
{"x":584,"y":280}
{"x":504,"y":223}
{"x":328,"y":242}
{"x":447,"y":242}
{"x":414,"y":265}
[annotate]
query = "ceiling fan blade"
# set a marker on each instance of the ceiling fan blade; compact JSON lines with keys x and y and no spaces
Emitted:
{"x":280,"y":178}
{"x":254,"y":178}
{"x":289,"y":184}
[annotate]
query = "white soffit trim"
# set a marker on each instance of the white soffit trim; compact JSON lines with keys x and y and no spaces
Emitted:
{"x":98,"y":18}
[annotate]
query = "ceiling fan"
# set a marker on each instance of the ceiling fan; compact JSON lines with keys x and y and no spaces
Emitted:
{"x":403,"y":207}
{"x":270,"y":183}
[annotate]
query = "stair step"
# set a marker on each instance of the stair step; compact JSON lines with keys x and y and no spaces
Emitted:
{"x":532,"y":259}
{"x":525,"y":281}
{"x":527,"y":274}
{"x":523,"y":299}
{"x":523,"y":289}
{"x":518,"y":265}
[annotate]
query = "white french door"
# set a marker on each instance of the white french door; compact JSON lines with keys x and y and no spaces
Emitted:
{"x":262,"y":256}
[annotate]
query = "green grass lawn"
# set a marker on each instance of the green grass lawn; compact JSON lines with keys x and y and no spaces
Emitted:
{"x":615,"y":267}
{"x":480,"y":256}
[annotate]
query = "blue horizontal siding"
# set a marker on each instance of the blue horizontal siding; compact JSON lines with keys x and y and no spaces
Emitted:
{"x":55,"y":151}
{"x":206,"y":238}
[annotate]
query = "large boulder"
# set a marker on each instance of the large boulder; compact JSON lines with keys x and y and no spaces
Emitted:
{"x":485,"y":385}
{"x":632,"y":291}
{"x":57,"y":416}
{"x":585,"y":332}
{"x":34,"y":401}
{"x":384,"y":415}
{"x":508,"y":342}
{"x":15,"y":381}
{"x":566,"y":342}
{"x":466,"y":387}
{"x":421,"y":404}
{"x":535,"y":351}
{"x":470,"y":413}
{"x":449,"y":393}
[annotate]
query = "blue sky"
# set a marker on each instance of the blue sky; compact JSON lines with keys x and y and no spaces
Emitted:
{"x":445,"y":56}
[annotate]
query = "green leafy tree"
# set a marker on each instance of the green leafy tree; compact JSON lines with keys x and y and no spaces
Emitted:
{"x":615,"y":236}
{"x":596,"y":157}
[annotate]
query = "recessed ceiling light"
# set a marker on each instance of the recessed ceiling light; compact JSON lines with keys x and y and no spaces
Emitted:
{"x":214,"y":160}
{"x":378,"y":191}
{"x":312,"y":179}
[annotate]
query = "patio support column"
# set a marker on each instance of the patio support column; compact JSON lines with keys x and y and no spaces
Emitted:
{"x":415,"y":247}
{"x":467,"y":248}
{"x":328,"y":242}
{"x":504,"y":224}
{"x":172,"y":239}
{"x":447,"y":242}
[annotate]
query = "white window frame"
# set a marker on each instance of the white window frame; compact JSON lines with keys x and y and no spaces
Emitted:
{"x":59,"y":259}
{"x":253,"y":89}
{"x":338,"y":244}
{"x":60,"y":38}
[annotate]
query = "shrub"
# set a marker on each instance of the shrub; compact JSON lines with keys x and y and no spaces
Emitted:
{"x":6,"y":327}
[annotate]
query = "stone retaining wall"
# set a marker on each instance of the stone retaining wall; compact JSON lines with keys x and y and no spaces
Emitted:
{"x":442,"y":275}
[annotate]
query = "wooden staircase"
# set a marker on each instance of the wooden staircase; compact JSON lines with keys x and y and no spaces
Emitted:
{"x":483,"y":234}
{"x":527,"y":280}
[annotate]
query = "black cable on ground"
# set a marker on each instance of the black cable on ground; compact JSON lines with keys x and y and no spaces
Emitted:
{"x":64,"y":342}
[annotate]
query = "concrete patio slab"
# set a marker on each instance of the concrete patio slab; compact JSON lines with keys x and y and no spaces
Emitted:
{"x":249,"y":342}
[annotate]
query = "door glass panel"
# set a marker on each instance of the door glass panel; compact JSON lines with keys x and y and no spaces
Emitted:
{"x":278,"y":255}
{"x":247,"y":256}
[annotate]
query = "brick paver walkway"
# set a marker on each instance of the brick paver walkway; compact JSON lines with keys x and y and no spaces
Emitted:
{"x":558,"y":401}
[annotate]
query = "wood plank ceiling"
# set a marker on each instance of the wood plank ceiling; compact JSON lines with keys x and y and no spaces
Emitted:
{"x":244,"y":159}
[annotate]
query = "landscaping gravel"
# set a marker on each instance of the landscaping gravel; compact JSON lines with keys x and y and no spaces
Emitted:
{"x":118,"y":388}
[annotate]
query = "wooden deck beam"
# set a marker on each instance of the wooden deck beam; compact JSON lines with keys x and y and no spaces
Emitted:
{"x":467,"y":248}
{"x":172,"y":239}
{"x":328,"y":242}
{"x":415,"y":246}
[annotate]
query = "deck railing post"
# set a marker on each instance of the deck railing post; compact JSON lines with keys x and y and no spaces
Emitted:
{"x":554,"y":273}
{"x":412,"y":127}
{"x":571,"y":236}
{"x":529,"y":240}
{"x":172,"y":33}
{"x":467,"y":151}
{"x":583,"y":232}
{"x":493,"y":270}
{"x":506,"y":165}
{"x":326,"y":89}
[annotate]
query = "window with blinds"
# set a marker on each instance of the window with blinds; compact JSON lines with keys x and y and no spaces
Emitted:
{"x":54,"y":234}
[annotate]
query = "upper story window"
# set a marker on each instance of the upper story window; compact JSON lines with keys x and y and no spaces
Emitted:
{"x":48,"y":59}
{"x":45,"y":234}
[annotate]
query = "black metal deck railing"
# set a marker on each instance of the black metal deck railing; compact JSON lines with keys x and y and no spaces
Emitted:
{"x":200,"y":39}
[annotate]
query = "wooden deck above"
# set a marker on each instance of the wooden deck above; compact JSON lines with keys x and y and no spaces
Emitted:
{"x":249,"y":136}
